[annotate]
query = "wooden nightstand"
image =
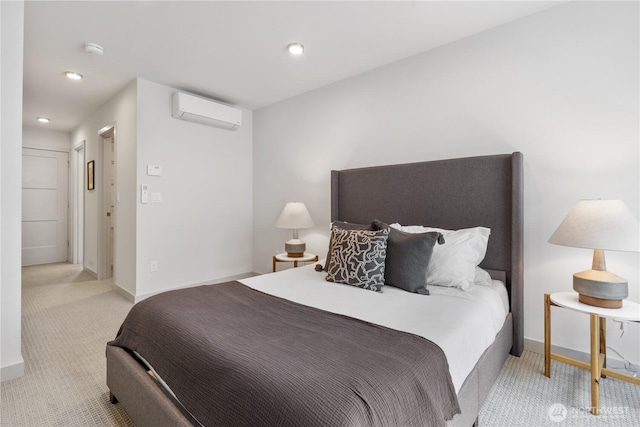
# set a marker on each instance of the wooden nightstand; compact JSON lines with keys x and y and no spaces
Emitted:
{"x":630,"y":311}
{"x":307,"y":257}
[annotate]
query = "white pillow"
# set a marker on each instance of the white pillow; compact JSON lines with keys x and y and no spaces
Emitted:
{"x":482,"y":277}
{"x":454,"y":263}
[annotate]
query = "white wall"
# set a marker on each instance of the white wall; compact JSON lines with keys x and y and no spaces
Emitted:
{"x":11,"y":39}
{"x":203,"y":228}
{"x":202,"y":231}
{"x":46,"y":139}
{"x":561,"y":86}
{"x":121,"y":112}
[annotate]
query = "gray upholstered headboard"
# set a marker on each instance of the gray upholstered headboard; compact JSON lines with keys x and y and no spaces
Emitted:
{"x":456,"y":193}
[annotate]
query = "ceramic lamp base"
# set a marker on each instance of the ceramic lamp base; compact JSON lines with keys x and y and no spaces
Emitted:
{"x":600,"y":288}
{"x":295,"y":248}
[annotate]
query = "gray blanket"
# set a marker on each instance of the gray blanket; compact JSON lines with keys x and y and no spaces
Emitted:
{"x":235,"y":356}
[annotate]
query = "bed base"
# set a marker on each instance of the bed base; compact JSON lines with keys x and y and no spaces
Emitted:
{"x":477,"y":386}
{"x":141,"y":396}
{"x":148,"y":404}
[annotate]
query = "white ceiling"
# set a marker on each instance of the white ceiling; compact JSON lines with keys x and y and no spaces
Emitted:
{"x":231,"y":51}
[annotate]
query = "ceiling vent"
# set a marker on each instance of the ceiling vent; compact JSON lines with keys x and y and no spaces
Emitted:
{"x":205,"y":111}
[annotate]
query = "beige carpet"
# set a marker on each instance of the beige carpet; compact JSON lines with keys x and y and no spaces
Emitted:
{"x":68,"y":318}
{"x":523,"y":396}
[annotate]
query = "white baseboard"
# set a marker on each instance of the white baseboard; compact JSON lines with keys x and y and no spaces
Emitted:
{"x":137,"y":298}
{"x":11,"y":372}
{"x":538,"y":347}
{"x":126,"y":294}
{"x":91,"y":272}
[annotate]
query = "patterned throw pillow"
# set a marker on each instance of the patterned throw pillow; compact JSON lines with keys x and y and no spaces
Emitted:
{"x":358,"y":257}
{"x":345,"y":226}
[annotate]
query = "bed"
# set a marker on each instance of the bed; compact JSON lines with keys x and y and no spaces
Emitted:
{"x":450,"y":194}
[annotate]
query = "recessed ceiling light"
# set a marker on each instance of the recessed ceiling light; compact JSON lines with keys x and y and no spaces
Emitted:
{"x":73,"y":75}
{"x":295,"y":48}
{"x":43,"y":119}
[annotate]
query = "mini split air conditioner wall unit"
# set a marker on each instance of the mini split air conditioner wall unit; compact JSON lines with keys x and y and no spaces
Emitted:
{"x":205,"y":111}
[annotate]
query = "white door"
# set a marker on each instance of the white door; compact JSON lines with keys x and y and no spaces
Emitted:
{"x":45,"y":186}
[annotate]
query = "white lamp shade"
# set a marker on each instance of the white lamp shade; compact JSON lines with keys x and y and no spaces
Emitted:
{"x":295,"y":216}
{"x":599,"y":224}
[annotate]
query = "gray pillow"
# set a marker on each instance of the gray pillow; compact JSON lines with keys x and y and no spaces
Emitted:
{"x":408,"y":256}
{"x":345,"y":226}
{"x":358,"y":258}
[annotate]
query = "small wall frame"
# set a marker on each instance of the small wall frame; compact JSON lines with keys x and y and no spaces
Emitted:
{"x":90,"y":175}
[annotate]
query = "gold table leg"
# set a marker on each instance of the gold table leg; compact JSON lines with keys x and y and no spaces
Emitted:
{"x":603,"y":343}
{"x":595,"y":364}
{"x":547,"y":335}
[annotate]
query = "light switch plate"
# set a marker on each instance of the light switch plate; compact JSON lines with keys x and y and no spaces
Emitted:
{"x":153,"y":170}
{"x":144,"y":193}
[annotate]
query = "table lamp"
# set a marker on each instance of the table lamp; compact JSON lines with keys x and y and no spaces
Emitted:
{"x":599,"y":225}
{"x":295,"y":216}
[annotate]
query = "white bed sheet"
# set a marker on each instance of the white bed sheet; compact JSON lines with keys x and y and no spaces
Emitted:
{"x":463,"y":323}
